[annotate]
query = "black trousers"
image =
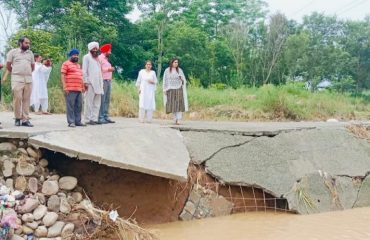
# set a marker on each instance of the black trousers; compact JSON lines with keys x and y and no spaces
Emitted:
{"x":74,"y":107}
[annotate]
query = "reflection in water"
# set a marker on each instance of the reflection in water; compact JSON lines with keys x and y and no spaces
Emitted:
{"x":351,"y":224}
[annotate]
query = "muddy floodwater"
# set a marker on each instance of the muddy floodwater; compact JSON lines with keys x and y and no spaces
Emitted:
{"x":342,"y":225}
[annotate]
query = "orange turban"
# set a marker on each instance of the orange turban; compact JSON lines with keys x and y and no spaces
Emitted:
{"x":106,"y":48}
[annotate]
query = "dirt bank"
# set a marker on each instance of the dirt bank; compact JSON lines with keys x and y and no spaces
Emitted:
{"x":146,"y":198}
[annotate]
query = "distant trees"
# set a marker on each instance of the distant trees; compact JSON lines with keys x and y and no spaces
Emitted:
{"x":231,"y":42}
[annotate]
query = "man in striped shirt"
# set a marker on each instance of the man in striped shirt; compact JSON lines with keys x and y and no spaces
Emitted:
{"x":73,"y":86}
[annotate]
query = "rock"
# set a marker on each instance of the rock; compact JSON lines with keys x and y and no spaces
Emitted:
{"x":64,"y":206}
{"x":28,"y":217}
{"x":77,"y":197}
{"x":68,"y":183}
{"x":41,"y":197}
{"x":33,"y":225}
{"x":54,"y":203}
{"x":54,"y":177}
{"x":21,"y":183}
{"x":50,"y":187}
{"x":30,"y":205}
{"x":32,"y":184}
{"x":21,"y":143}
{"x":26,"y":230}
{"x":8,"y":168}
{"x":56,"y":229}
{"x":23,"y":151}
{"x":7,"y":147}
{"x":10,"y":184}
{"x":32,"y":153}
{"x":40,"y":212}
{"x":25,"y":169}
{"x":42,"y":178}
{"x":17,"y":237}
{"x":204,"y":203}
{"x":49,"y":219}
{"x":43,"y":163}
{"x":41,"y":231}
{"x":62,"y":195}
{"x":68,"y":230}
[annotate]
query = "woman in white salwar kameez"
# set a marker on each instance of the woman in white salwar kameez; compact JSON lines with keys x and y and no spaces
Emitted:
{"x":146,"y":84}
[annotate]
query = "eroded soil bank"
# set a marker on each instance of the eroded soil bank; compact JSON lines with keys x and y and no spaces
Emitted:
{"x":149,"y":199}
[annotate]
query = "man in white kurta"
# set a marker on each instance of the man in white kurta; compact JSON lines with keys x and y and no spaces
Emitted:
{"x":93,"y":80}
{"x":40,"y":78}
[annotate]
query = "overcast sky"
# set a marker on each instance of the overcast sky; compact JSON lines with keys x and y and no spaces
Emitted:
{"x":296,"y":9}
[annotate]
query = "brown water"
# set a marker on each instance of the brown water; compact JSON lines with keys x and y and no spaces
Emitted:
{"x":352,"y":224}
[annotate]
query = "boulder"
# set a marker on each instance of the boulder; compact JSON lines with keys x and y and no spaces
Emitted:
{"x":8,"y":168}
{"x":67,"y":183}
{"x":30,"y":205}
{"x":56,"y":229}
{"x":33,"y":185}
{"x":68,"y":230}
{"x":41,"y":231}
{"x":50,"y":187}
{"x":28,"y":217}
{"x":25,"y":169}
{"x":54,"y":203}
{"x":7,"y":147}
{"x":40,"y":212}
{"x":49,"y":219}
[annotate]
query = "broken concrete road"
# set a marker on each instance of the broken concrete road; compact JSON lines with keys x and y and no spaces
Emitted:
{"x":276,"y":157}
{"x":288,"y":163}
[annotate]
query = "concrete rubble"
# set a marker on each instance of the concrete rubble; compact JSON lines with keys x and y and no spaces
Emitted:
{"x":203,"y":203}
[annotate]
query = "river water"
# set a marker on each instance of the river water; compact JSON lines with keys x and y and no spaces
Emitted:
{"x":342,"y":225}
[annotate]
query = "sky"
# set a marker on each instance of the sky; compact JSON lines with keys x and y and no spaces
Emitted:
{"x":345,"y":9}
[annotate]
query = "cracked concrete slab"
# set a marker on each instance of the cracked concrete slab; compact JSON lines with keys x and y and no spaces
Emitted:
{"x":314,"y":193}
{"x":275,"y":164}
{"x":203,"y":145}
{"x":147,"y":149}
{"x":363,"y":198}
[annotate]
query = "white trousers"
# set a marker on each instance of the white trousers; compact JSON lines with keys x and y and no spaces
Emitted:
{"x":92,"y":105}
{"x":177,"y":115}
{"x":149,"y":115}
{"x":43,"y":102}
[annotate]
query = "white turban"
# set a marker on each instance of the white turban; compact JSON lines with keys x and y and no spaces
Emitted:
{"x":92,"y":45}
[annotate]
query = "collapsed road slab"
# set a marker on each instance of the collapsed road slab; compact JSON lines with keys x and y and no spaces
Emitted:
{"x":276,"y":163}
{"x":147,"y":148}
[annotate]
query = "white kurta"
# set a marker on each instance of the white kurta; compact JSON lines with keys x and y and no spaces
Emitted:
{"x":35,"y":84}
{"x":43,"y":88}
{"x":40,"y":78}
{"x":147,"y":90}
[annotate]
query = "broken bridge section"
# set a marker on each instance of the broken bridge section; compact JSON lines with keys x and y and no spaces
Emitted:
{"x":316,"y":169}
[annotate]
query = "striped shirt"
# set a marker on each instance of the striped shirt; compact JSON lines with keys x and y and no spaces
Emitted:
{"x":73,"y":76}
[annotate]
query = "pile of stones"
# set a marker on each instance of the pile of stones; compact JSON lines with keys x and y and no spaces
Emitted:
{"x":35,"y":203}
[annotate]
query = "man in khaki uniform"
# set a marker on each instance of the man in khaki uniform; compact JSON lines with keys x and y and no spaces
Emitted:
{"x":21,"y":63}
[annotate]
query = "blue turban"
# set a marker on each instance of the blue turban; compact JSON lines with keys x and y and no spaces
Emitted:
{"x":73,"y":51}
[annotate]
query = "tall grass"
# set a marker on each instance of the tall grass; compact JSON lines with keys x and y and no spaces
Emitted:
{"x":267,"y":103}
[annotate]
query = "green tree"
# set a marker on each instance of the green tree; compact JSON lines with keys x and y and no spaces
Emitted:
{"x":40,"y":43}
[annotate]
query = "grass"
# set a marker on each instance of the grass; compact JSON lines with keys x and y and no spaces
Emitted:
{"x":267,"y":103}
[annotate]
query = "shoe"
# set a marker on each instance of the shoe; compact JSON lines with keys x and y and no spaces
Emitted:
{"x":98,"y":122}
{"x":91,"y":123}
{"x":17,"y":122}
{"x":102,"y":122}
{"x":109,"y":120}
{"x":27,"y":124}
{"x":80,"y":124}
{"x":72,"y":125}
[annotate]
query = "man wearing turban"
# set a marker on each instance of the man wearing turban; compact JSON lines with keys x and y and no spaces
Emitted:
{"x":73,"y":86}
{"x":93,"y":80}
{"x":107,"y":70}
